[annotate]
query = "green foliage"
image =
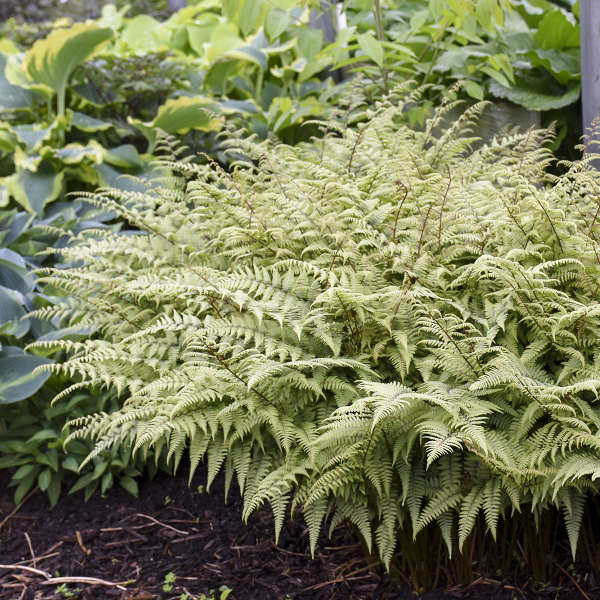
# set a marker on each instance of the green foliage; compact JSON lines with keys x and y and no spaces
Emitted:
{"x":50,"y":62}
{"x":31,"y":431}
{"x":32,"y":435}
{"x":525,"y":52}
{"x":391,"y":328}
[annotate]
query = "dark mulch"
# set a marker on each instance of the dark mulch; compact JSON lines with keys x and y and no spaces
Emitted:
{"x":172,"y":528}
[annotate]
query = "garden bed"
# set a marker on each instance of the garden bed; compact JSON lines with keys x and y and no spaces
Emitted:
{"x":174,"y":529}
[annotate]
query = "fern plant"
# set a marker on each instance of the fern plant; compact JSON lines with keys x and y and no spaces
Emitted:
{"x":387,"y":327}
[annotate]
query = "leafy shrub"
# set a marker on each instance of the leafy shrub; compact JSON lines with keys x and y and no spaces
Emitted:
{"x":387,"y":327}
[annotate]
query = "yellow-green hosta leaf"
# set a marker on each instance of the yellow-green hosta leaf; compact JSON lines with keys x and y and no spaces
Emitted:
{"x":224,"y":38}
{"x":24,"y":160}
{"x":145,"y":34}
{"x":34,"y":190}
{"x":50,"y":62}
{"x":179,"y":115}
{"x":72,"y":154}
{"x":200,"y":32}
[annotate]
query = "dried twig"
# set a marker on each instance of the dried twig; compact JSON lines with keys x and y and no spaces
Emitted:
{"x":57,"y":580}
{"x":33,"y":558}
{"x":162,"y":524}
{"x":574,"y":581}
{"x":17,"y":508}
{"x":84,"y":549}
{"x":28,"y":569}
{"x":88,"y":580}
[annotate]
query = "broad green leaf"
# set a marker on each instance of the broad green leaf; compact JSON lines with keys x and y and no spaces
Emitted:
{"x":111,"y":17}
{"x":50,"y":62}
{"x":72,"y":154}
{"x":484,"y":11}
{"x":371,"y":47}
{"x":310,"y":42}
{"x":54,"y":490}
{"x":179,"y":115}
{"x":557,"y":30}
{"x":249,"y":15}
{"x":276,"y":22}
{"x":15,"y":273}
{"x":200,"y":32}
{"x":564,"y":65}
{"x":88,"y":124}
{"x":125,"y":156}
{"x":129,"y":484}
{"x":13,"y":97}
{"x":224,"y":37}
{"x":473,"y":89}
{"x":8,"y":46}
{"x":34,"y":190}
{"x":44,"y":479}
{"x":419,"y":19}
{"x":17,"y":380}
{"x":32,"y":135}
{"x":145,"y":34}
{"x":531,"y":99}
{"x":4,"y":193}
{"x":11,"y":313}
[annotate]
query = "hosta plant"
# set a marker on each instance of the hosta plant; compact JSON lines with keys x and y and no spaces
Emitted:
{"x":387,"y":327}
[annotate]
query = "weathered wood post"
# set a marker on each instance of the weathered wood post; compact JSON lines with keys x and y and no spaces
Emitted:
{"x":590,"y":70}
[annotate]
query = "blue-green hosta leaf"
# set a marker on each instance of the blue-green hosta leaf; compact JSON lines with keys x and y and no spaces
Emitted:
{"x":72,"y":154}
{"x":4,"y":193}
{"x":11,"y":313}
{"x":32,"y":136}
{"x":13,"y":97}
{"x":558,"y":29}
{"x":125,"y":156}
{"x":531,"y":99}
{"x":12,"y":224}
{"x":15,"y":274}
{"x":87,"y":123}
{"x":111,"y":177}
{"x":50,"y":62}
{"x":17,"y":379}
{"x":34,"y":190}
{"x":238,"y":106}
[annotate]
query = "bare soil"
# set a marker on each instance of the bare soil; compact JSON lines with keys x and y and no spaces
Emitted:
{"x":132,"y":544}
